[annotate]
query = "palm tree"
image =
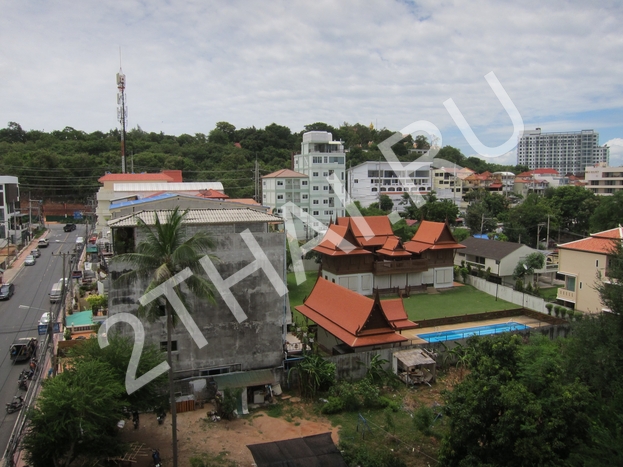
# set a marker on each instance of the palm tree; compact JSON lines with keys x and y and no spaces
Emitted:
{"x":163,"y":252}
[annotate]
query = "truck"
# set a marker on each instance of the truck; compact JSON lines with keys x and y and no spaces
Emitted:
{"x":23,"y":349}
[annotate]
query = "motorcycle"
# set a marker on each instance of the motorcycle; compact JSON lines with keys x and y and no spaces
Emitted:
{"x":15,"y":405}
{"x":22,"y":384}
{"x":27,"y":374}
{"x":155,"y":455}
{"x":160,"y":417}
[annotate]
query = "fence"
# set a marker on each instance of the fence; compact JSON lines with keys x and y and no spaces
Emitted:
{"x":508,"y":294}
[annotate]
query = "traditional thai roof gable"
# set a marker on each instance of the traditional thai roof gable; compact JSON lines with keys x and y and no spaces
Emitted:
{"x":352,"y":318}
{"x":393,"y":248}
{"x":370,"y":231}
{"x":432,"y":236}
{"x":394,"y":311}
{"x":339,"y":241}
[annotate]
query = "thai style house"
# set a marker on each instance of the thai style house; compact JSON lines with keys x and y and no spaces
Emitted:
{"x":363,"y":254}
{"x":349,"y":322}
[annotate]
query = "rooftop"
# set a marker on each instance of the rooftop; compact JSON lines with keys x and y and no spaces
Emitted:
{"x":197,"y":216}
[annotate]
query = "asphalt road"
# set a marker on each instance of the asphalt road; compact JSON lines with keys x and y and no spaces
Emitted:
{"x":32,"y":288}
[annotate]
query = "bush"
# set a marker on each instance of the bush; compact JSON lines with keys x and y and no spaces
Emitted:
{"x":335,"y":405}
{"x":423,"y":420}
{"x":549,"y":307}
{"x":557,"y":309}
{"x":563,"y":312}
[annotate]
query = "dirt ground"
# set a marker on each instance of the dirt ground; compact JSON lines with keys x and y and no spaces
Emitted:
{"x":197,"y":434}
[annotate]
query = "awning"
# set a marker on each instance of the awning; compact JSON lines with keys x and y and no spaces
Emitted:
{"x":244,"y":379}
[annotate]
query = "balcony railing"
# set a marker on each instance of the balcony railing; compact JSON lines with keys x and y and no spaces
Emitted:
{"x":566,"y":295}
{"x":400,"y":267}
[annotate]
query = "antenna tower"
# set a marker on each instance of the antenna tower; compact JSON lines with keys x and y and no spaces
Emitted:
{"x":122,"y":110}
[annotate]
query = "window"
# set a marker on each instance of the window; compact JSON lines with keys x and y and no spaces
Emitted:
{"x":325,"y":174}
{"x":315,"y":188}
{"x":305,"y":196}
{"x":570,"y":283}
{"x":315,"y":213}
{"x":279,"y":182}
{"x":264,"y":195}
{"x":315,"y":201}
{"x":328,"y":213}
{"x":317,"y":160}
{"x":325,"y":188}
{"x":304,"y":182}
{"x":356,"y":180}
{"x":305,"y":210}
{"x":374,"y":189}
{"x":315,"y":174}
{"x":325,"y":201}
{"x":596,"y":264}
{"x":279,"y":196}
{"x":163,"y":346}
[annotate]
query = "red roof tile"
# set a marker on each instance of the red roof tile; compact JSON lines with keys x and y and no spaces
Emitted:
{"x":176,"y":175}
{"x":396,"y":315}
{"x":144,"y":177}
{"x":347,"y":315}
{"x":433,"y":236}
{"x":285,"y":173}
{"x":370,"y":230}
{"x":600,"y":242}
{"x":339,"y":241}
{"x":393,"y":247}
{"x":212,"y":194}
{"x":617,"y":233}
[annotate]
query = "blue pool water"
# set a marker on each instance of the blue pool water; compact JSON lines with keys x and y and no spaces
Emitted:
{"x":455,"y":334}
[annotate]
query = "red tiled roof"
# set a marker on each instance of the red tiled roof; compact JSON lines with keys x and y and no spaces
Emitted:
{"x":145,"y":177}
{"x":600,"y":242}
{"x":176,"y":175}
{"x":339,"y":241}
{"x":393,"y":247}
{"x":433,"y":236}
{"x":370,"y":230}
{"x":495,"y":185}
{"x":545,"y":171}
{"x":395,"y":313}
{"x":285,"y":173}
{"x":347,"y":315}
{"x":212,"y":194}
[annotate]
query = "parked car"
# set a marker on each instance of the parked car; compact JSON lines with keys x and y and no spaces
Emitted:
{"x":69,"y":227}
{"x":36,"y":252}
{"x":6,"y":291}
{"x":43,"y":243}
{"x":30,"y":260}
{"x":45,"y":318}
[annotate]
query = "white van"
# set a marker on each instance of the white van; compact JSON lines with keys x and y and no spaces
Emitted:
{"x":56,"y":293}
{"x":79,"y":243}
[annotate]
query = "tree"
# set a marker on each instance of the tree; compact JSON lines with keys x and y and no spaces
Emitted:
{"x":609,"y":213}
{"x":76,"y":416}
{"x":527,"y":266}
{"x":478,"y":218}
{"x":164,"y":252}
{"x":386,"y":203}
{"x":522,"y":222}
{"x":515,"y":408}
{"x":421,"y":142}
{"x":574,"y":205}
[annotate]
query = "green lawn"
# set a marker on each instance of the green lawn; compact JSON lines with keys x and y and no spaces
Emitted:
{"x":464,"y":300}
{"x":457,"y":301}
{"x":549,"y":295}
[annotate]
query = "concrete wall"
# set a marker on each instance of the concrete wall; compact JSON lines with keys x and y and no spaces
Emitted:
{"x":507,"y":293}
{"x":585,"y":267}
{"x":253,"y":344}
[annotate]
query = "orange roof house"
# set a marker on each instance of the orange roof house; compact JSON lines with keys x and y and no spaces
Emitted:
{"x":363,"y":254}
{"x":352,"y":320}
{"x":582,"y":262}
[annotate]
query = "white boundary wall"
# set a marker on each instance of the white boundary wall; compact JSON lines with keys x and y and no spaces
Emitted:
{"x":509,"y":294}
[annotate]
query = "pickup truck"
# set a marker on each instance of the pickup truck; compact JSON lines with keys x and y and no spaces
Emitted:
{"x":24,"y":348}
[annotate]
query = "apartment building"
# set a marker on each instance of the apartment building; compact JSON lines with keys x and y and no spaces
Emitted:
{"x":567,"y":152}
{"x":11,"y":227}
{"x":604,"y":180}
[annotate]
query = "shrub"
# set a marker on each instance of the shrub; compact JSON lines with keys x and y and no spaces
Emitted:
{"x":570,"y":314}
{"x":557,"y":309}
{"x":549,"y":307}
{"x":334,"y":405}
{"x":563,"y":312}
{"x":423,"y":420}
{"x":519,"y":285}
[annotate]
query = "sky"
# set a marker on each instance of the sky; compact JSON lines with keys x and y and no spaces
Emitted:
{"x":390,"y":63}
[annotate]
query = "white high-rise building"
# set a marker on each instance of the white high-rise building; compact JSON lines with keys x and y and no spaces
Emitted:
{"x":568,"y":152}
{"x":307,"y":184}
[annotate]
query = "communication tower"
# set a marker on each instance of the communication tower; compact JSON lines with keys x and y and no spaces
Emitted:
{"x":122,"y":113}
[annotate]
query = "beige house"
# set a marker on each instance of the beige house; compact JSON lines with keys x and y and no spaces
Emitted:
{"x":583,"y":262}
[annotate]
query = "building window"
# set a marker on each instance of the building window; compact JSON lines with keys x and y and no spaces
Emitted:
{"x":279,"y":196}
{"x":264,"y":195}
{"x":374,"y":189}
{"x":305,"y":210}
{"x":317,"y":160}
{"x":596,"y":264}
{"x":325,"y":174}
{"x":163,"y":346}
{"x":315,"y":201}
{"x":315,"y":213}
{"x":304,"y":182}
{"x":314,"y":174}
{"x":315,"y":188}
{"x":325,"y":188}
{"x":305,"y":196}
{"x":570,"y":283}
{"x":325,"y":201}
{"x":356,"y":180}
{"x":279,"y":182}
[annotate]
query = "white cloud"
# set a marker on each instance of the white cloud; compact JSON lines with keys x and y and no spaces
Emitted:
{"x":616,"y":152}
{"x":190,"y":64}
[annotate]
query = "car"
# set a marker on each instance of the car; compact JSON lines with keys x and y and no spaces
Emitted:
{"x":45,"y":318}
{"x":6,"y":291}
{"x":30,"y":260}
{"x":69,"y":227}
{"x":36,"y":252}
{"x":43,"y":243}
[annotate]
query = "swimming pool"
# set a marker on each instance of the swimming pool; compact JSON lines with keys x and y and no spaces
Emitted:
{"x":455,"y":334}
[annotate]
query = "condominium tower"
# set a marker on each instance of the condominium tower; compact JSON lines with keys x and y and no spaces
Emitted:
{"x":568,"y":152}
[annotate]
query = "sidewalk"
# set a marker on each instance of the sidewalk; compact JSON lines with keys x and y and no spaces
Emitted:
{"x":15,"y":266}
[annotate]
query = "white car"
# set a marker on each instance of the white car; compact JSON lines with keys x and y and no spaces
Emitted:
{"x":30,"y":260}
{"x":45,"y":318}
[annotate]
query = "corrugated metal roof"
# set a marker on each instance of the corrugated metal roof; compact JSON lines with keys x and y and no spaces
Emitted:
{"x":120,"y":204}
{"x":198,"y":216}
{"x":244,"y":379}
{"x":180,"y":186}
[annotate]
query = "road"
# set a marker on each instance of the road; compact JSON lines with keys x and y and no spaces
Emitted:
{"x":32,"y":286}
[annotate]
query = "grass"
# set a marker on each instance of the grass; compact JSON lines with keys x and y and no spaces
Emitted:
{"x":549,"y":294}
{"x":457,"y":301}
{"x":298,"y":293}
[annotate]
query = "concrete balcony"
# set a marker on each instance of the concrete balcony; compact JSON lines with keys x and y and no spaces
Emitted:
{"x":566,"y":295}
{"x":400,"y":267}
